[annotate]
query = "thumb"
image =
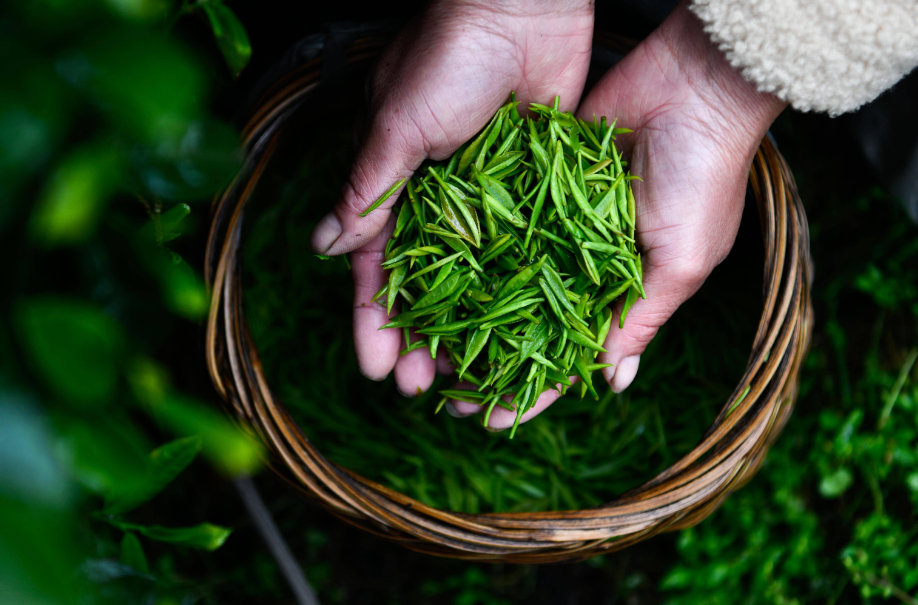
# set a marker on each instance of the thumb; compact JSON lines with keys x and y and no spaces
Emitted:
{"x":667,"y":284}
{"x":392,"y":150}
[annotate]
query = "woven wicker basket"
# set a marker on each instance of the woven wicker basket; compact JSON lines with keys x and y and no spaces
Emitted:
{"x":687,"y":492}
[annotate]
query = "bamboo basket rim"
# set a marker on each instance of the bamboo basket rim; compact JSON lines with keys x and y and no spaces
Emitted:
{"x":727,"y":457}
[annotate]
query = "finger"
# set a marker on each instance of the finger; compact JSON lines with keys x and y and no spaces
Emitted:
{"x":385,"y":159}
{"x":406,"y":125}
{"x":392,"y":148}
{"x":415,"y":370}
{"x":377,"y":350}
{"x":459,"y":408}
{"x":667,"y":285}
{"x":502,"y":418}
{"x":444,"y":365}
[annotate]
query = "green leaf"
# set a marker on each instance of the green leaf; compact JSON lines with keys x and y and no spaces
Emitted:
{"x":141,"y":10}
{"x":835,"y":484}
{"x":188,"y":162}
{"x":35,"y":111}
{"x":162,"y":225}
{"x":39,"y":554}
{"x":476,"y":345}
{"x":205,"y":536}
{"x":73,"y":345}
{"x":184,"y":291}
{"x":222,"y":442}
{"x":386,"y":195}
{"x":74,"y":198}
{"x":441,"y":291}
{"x":538,"y":334}
{"x":145,"y":82}
{"x":518,"y":281}
{"x":630,"y":299}
{"x":584,"y":341}
{"x":166,"y":462}
{"x":495,"y":189}
{"x":396,"y":277}
{"x":105,"y":454}
{"x":132,"y":553}
{"x":230,"y":35}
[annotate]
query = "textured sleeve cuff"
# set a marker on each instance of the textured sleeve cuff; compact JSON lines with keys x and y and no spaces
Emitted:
{"x":818,"y":55}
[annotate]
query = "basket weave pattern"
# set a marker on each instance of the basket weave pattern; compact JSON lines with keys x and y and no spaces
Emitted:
{"x":687,"y":492}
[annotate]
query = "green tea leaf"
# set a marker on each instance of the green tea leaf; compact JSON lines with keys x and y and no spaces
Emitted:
{"x":222,"y":442}
{"x":74,"y":345}
{"x":383,"y":197}
{"x":132,"y":553}
{"x":396,"y":277}
{"x":230,"y":35}
{"x":74,"y":199}
{"x":476,"y":345}
{"x":205,"y":536}
{"x":166,"y":462}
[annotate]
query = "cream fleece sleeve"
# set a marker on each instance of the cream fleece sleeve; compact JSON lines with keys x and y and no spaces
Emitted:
{"x":818,"y":55}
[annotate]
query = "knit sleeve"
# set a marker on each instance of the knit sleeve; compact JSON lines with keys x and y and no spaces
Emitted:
{"x":818,"y":55}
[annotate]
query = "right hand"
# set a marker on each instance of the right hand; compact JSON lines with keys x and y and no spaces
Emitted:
{"x":435,"y":87}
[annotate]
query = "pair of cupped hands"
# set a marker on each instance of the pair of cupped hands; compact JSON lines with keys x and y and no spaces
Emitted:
{"x":697,"y":124}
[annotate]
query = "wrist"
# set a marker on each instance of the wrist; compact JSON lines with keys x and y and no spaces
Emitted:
{"x":716,"y":82}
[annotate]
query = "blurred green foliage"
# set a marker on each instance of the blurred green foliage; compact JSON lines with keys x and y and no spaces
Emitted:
{"x":105,"y":124}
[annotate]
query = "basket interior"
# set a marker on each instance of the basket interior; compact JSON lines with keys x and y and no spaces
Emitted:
{"x":577,"y":454}
{"x":722,"y":459}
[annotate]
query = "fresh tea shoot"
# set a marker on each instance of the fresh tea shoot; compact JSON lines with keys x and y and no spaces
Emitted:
{"x":509,"y":255}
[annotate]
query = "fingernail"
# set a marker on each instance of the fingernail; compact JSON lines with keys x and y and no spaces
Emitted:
{"x":488,"y":427}
{"x":451,"y":410}
{"x":609,"y":374}
{"x":625,"y":373}
{"x":326,"y":233}
{"x":418,"y":391}
{"x":373,"y":378}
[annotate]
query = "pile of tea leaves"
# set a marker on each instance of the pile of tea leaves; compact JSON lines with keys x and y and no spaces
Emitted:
{"x":532,"y":289}
{"x":584,"y":453}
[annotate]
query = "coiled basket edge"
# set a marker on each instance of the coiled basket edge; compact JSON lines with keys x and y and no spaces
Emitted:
{"x":728,"y":455}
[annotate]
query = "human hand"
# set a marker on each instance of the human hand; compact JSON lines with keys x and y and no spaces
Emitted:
{"x":436,"y":86}
{"x":697,"y":125}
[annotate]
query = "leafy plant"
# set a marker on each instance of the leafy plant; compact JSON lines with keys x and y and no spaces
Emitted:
{"x":104,"y":117}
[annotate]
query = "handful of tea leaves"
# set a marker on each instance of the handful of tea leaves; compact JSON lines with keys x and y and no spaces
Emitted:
{"x":523,"y":302}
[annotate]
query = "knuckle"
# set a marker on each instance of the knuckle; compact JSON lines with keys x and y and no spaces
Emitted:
{"x":688,"y":271}
{"x":354,"y":194}
{"x":638,"y":334}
